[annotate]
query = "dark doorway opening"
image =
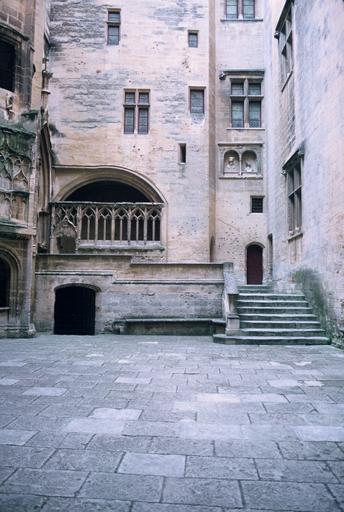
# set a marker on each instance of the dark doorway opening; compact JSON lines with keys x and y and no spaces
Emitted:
{"x":108,"y":192}
{"x":5,"y":279}
{"x":254,"y":264}
{"x":75,"y":310}
{"x":7,"y":66}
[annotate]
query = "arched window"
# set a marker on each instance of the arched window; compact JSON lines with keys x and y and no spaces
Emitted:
{"x":5,"y":278}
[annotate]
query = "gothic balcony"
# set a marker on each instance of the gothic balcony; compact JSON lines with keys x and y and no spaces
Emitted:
{"x":79,"y":226}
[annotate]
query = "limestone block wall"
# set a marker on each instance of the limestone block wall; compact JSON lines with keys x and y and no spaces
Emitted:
{"x":86,"y":106}
{"x":313,"y":260}
{"x":239,"y":47}
{"x":130,"y":290}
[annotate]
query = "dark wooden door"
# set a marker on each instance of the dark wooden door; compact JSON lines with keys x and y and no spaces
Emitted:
{"x":74,"y":310}
{"x":254,"y":264}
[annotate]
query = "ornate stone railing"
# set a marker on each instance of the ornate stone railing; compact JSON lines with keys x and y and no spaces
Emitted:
{"x":230,"y":295}
{"x":86,"y":224}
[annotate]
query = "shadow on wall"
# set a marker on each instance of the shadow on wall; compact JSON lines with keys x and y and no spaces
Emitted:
{"x":317,"y":297}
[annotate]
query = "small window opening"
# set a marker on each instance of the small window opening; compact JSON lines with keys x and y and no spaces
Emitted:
{"x":7,"y":66}
{"x":114,"y":27}
{"x":256,"y":204}
{"x":197,"y":101}
{"x":182,"y":153}
{"x":193,"y":39}
{"x":5,"y":276}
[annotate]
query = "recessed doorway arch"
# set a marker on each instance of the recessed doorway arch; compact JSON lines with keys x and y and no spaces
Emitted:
{"x":75,"y":310}
{"x":254,"y":264}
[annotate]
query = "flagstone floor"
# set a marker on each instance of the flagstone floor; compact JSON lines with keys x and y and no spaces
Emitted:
{"x":169,"y":424}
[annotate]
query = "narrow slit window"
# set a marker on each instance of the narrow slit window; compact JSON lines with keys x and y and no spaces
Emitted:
{"x":232,"y":9}
{"x":254,"y":89}
{"x":143,"y":120}
{"x":237,"y":88}
{"x":182,"y":153}
{"x":129,"y":119}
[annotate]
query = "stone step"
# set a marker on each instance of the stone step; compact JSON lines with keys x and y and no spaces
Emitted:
{"x":283,"y":332}
{"x":267,"y":310}
{"x":278,"y":324}
{"x":270,"y":340}
{"x":271,"y":297}
{"x":278,"y":317}
{"x":272,"y":303}
{"x":255,"y":288}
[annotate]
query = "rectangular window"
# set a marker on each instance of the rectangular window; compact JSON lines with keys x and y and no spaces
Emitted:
{"x":237,"y":88}
{"x":7,"y":66}
{"x":113,"y":27}
{"x":246,"y":101}
{"x":285,"y":38}
{"x":197,"y":101}
{"x":254,"y":120}
{"x":237,"y":114}
{"x":193,"y":39}
{"x":232,"y":9}
{"x":240,"y":9}
{"x":182,"y":153}
{"x":248,"y":10}
{"x":256,"y":205}
{"x":295,"y":197}
{"x":136,"y":112}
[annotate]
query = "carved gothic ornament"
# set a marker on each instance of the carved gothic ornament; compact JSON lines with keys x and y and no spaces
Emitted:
{"x":15,"y":171}
{"x":240,"y":160}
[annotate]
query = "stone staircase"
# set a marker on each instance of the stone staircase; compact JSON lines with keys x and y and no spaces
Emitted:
{"x":268,"y":318}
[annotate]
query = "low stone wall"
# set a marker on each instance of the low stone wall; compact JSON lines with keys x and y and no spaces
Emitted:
{"x":125,"y":289}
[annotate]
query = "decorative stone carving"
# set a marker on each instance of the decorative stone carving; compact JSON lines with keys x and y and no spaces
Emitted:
{"x":15,"y":169}
{"x":240,"y":160}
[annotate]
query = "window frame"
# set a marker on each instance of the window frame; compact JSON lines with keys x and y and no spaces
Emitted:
{"x":136,"y":107}
{"x":112,"y":23}
{"x":260,"y":198}
{"x":240,"y":10}
{"x":12,"y":71}
{"x":197,"y":89}
{"x":293,"y":171}
{"x":285,"y":35}
{"x":190,"y":34}
{"x":246,"y":97}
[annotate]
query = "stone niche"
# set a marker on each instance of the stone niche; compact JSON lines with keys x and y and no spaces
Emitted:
{"x":240,"y":160}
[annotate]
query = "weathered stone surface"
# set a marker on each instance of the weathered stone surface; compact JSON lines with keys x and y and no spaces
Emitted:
{"x":153,"y":464}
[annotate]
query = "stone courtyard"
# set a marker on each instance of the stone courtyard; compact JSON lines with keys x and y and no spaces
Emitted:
{"x":167,"y":424}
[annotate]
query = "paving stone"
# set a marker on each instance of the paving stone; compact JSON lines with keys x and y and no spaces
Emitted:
{"x":84,"y":460}
{"x":84,"y":505}
{"x":65,"y":411}
{"x":294,"y":471}
{"x":5,"y":472}
{"x":46,"y":439}
{"x":338,"y":493}
{"x":123,"y":487}
{"x":45,"y":391}
{"x":220,"y":467}
{"x":151,"y":428}
{"x":338,"y":469}
{"x":172,"y":445}
{"x":111,"y":443}
{"x":8,"y":382}
{"x":202,"y":491}
{"x":320,"y":433}
{"x":23,"y":456}
{"x":46,"y":483}
{"x":13,"y":503}
{"x":230,"y":418}
{"x":133,"y":380}
{"x":39,"y":423}
{"x":310,"y":450}
{"x":250,"y":449}
{"x":159,"y":507}
{"x":116,"y":414}
{"x":95,"y":426}
{"x":152,"y":464}
{"x":76,"y":440}
{"x":289,"y":496}
{"x":16,"y":437}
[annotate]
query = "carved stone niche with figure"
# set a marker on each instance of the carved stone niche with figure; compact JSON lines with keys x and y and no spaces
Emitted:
{"x":240,"y":160}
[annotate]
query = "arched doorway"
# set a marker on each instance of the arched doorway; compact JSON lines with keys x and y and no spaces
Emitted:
{"x":75,"y":310}
{"x":5,"y":280}
{"x":108,"y":192}
{"x":254,"y":264}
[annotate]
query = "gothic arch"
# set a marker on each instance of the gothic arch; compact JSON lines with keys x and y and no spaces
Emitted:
{"x":13,"y":264}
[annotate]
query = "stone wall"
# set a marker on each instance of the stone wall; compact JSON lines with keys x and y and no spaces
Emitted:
{"x":314,"y":259}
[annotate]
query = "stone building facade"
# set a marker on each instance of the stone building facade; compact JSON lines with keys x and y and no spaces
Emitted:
{"x":157,"y":143}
